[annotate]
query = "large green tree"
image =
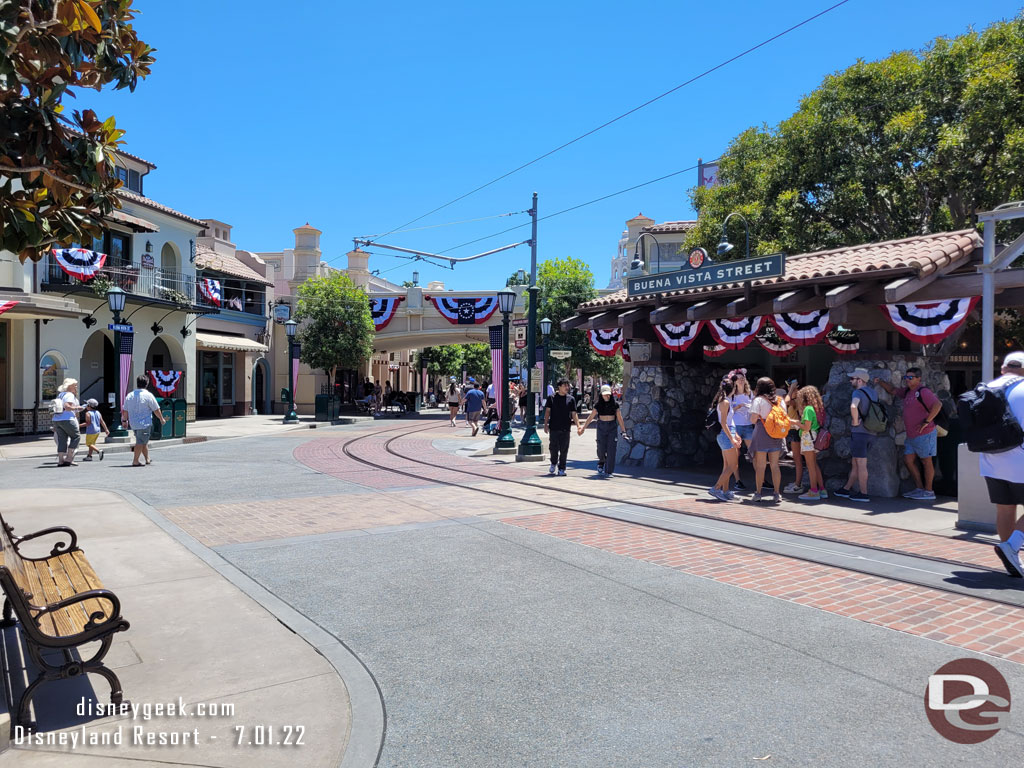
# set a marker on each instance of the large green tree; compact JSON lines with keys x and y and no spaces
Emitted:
{"x":57,"y":175}
{"x":564,"y":285}
{"x":336,"y":328}
{"x":913,"y":143}
{"x":449,"y":359}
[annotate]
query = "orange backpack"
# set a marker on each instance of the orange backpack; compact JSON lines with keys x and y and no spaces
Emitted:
{"x":776,"y":424}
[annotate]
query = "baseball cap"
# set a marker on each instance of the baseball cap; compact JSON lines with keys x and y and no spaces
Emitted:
{"x":606,"y":390}
{"x":451,"y":378}
{"x":860,"y":373}
{"x":472,"y":379}
{"x":1014,"y":360}
{"x":93,"y":402}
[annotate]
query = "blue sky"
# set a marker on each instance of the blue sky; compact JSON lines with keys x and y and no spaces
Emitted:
{"x":359,"y":117}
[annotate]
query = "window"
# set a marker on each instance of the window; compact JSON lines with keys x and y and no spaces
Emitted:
{"x":135,"y":181}
{"x":119,"y":252}
{"x":52,"y":369}
{"x":122,"y":175}
{"x":217,"y":377}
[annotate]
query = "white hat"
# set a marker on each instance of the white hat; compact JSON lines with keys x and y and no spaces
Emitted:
{"x":606,"y":389}
{"x":1014,"y":360}
{"x":860,"y":373}
{"x":93,"y":402}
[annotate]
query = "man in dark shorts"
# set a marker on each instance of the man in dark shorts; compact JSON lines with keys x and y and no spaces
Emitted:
{"x":474,"y":404}
{"x":559,"y":415}
{"x":1004,"y":471}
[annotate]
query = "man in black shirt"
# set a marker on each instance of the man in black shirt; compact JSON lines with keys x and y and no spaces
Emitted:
{"x":559,"y":415}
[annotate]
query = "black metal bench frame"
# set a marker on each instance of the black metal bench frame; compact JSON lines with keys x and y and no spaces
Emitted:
{"x":26,"y":609}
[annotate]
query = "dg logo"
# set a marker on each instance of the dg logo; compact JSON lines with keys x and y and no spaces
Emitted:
{"x":967,"y":701}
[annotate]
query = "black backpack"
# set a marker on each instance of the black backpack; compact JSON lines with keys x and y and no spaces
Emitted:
{"x":712,"y":422}
{"x":941,"y":418}
{"x":986,"y":419}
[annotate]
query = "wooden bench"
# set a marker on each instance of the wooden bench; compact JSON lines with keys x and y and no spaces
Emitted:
{"x":60,"y":604}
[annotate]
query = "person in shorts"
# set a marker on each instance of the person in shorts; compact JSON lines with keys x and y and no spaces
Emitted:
{"x":741,"y":400}
{"x":765,"y":447}
{"x":810,"y":410}
{"x":920,"y":407}
{"x":728,"y":439}
{"x":793,"y":439}
{"x":138,"y":411}
{"x":1004,"y":471}
{"x":93,"y":425}
{"x":860,"y":437}
{"x":474,"y":404}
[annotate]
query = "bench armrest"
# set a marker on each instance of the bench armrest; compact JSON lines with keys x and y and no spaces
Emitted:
{"x":58,"y":548}
{"x":92,"y":594}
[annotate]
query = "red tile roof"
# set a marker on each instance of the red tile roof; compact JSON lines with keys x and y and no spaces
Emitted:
{"x":134,"y":197}
{"x":917,"y":256}
{"x":671,"y":226}
{"x":207,"y":258}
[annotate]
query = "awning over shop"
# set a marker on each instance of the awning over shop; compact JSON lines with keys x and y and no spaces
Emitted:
{"x":134,"y":222}
{"x":218,"y":341}
{"x":34,"y":306}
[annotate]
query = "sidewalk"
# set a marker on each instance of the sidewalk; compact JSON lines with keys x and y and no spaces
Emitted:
{"x":195,"y":637}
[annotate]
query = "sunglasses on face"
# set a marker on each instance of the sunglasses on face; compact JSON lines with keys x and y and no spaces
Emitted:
{"x":910,"y":377}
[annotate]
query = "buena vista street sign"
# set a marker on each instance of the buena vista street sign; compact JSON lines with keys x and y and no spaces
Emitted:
{"x":740,"y":271}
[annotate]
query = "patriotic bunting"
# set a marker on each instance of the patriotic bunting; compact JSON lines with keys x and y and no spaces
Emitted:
{"x":210,"y":288}
{"x":606,"y":343}
{"x":462,"y":311}
{"x":844,"y":341}
{"x":714,"y":350}
{"x":625,"y":353}
{"x":773,"y":343}
{"x":497,"y":367}
{"x":383,"y":311}
{"x":165,"y":382}
{"x":929,"y":322}
{"x":678,"y":336}
{"x":7,"y":305}
{"x":802,"y":329}
{"x":736,"y":332}
{"x":79,"y":262}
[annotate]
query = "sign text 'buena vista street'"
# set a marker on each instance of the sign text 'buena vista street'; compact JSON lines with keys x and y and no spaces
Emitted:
{"x":741,"y":271}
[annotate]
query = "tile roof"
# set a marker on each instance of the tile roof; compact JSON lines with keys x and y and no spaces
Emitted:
{"x":134,"y":197}
{"x":671,"y":226}
{"x":207,"y":258}
{"x":918,"y":256}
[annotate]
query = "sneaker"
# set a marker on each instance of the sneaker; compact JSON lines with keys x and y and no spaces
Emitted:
{"x":1010,"y":558}
{"x":756,"y":498}
{"x":717,"y":494}
{"x":793,"y":488}
{"x":730,"y":496}
{"x":776,"y":499}
{"x":913,"y":494}
{"x":862,"y":497}
{"x":739,"y":486}
{"x":609,"y":474}
{"x":843,"y":493}
{"x":561,"y":473}
{"x":552,"y":469}
{"x":600,"y":470}
{"x":809,"y":496}
{"x":823,"y":494}
{"x":926,"y":495}
{"x":87,"y":458}
{"x":101,"y":455}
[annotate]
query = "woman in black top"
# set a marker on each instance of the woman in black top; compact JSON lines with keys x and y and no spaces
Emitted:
{"x":607,"y":412}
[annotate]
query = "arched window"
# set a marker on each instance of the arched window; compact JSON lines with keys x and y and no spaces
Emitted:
{"x":52,"y":368}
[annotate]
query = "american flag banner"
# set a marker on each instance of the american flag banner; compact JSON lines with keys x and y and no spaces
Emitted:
{"x":125,"y":353}
{"x":497,"y":367}
{"x":295,"y":371}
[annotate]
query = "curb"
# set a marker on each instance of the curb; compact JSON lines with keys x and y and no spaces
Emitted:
{"x":369,"y":715}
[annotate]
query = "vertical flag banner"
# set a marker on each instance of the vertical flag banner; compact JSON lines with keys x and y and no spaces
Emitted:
{"x":125,"y":353}
{"x":295,"y":372}
{"x":497,"y":371}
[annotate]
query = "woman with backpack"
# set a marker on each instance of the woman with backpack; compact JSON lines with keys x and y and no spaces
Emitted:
{"x":728,"y":439}
{"x":771,"y":424}
{"x":810,"y":414}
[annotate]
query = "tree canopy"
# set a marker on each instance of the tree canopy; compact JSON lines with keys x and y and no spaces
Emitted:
{"x":448,"y":360}
{"x":916,"y":142}
{"x":336,"y":326}
{"x":57,"y":175}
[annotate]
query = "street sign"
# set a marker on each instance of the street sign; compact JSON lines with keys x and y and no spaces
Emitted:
{"x":742,"y":271}
{"x":521,"y":321}
{"x":535,"y":382}
{"x":560,"y":354}
{"x":520,"y":343}
{"x":122,"y":327}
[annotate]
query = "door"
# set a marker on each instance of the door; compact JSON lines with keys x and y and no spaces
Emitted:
{"x":259,"y":389}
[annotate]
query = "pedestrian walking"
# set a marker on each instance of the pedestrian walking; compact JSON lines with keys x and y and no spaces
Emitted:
{"x":378,"y":396}
{"x":793,"y":438}
{"x":1004,"y":471}
{"x":861,"y":437}
{"x":65,"y":422}
{"x":728,"y":439}
{"x":454,"y":400}
{"x":138,"y":411}
{"x":607,"y":413}
{"x":559,"y":415}
{"x":93,"y":424}
{"x":811,"y":412}
{"x":490,"y":400}
{"x":920,"y":408}
{"x":474,"y":405}
{"x":741,"y":400}
{"x":771,"y":425}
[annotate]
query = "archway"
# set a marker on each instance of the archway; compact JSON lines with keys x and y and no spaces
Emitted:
{"x":261,"y":386}
{"x":166,"y":354}
{"x":169,"y":257}
{"x":98,"y":368}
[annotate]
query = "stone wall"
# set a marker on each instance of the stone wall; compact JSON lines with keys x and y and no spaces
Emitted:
{"x":664,"y":407}
{"x":23,"y":421}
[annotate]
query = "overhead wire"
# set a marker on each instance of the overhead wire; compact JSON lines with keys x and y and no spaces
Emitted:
{"x":614,"y":120}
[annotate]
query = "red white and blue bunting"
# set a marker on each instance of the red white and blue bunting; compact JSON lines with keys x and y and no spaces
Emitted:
{"x":714,"y":350}
{"x":735,"y":332}
{"x":773,"y":343}
{"x":210,"y":288}
{"x":7,"y":305}
{"x":383,"y":311}
{"x":678,"y":336}
{"x":625,"y":352}
{"x":463,"y":311}
{"x":606,"y":342}
{"x":165,"y":382}
{"x":79,"y":262}
{"x":802,"y":329}
{"x":929,"y":322}
{"x":844,"y":341}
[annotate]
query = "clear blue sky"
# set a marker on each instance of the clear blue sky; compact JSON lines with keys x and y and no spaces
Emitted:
{"x":357,"y":117}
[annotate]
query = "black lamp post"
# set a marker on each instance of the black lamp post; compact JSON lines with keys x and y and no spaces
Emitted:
{"x":638,"y":259}
{"x":506,"y":305}
{"x":115,"y":300}
{"x":290,"y":327}
{"x":724,"y":246}
{"x":545,"y":330}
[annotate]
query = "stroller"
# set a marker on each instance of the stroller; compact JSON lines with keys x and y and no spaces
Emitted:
{"x":492,"y":421}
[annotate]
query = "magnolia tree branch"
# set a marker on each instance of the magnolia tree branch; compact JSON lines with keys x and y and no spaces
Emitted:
{"x":48,"y":172}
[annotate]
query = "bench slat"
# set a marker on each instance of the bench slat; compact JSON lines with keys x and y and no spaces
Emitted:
{"x":82,"y":578}
{"x":40,"y":595}
{"x":70,"y":620}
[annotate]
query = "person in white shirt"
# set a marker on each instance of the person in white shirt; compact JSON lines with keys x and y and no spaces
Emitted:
{"x":1004,"y":471}
{"x":65,"y":422}
{"x":138,"y":411}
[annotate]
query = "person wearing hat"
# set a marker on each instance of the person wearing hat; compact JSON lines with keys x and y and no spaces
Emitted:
{"x":607,"y":412}
{"x":860,"y":437}
{"x":92,"y":425}
{"x":1004,"y":471}
{"x":920,"y":407}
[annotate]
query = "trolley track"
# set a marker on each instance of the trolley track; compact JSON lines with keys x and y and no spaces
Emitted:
{"x":911,"y":568}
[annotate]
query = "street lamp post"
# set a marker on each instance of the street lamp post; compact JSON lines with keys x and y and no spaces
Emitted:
{"x":290,"y":327}
{"x":531,"y":445}
{"x":638,"y":260}
{"x":724,"y":246}
{"x":545,"y":331}
{"x":506,"y":305}
{"x":115,"y":300}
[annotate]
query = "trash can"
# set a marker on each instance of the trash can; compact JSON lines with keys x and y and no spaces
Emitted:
{"x":321,"y":404}
{"x":180,"y":417}
{"x":165,"y":430}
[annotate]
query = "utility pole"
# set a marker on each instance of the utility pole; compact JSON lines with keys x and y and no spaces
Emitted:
{"x":530,"y":447}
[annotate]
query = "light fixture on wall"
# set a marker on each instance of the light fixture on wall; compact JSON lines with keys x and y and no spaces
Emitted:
{"x":149,"y":247}
{"x":89,"y":321}
{"x":156,"y":328}
{"x":185,"y":332}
